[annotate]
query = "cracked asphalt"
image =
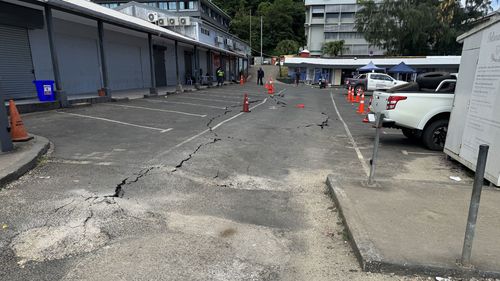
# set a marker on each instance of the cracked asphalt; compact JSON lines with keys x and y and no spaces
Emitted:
{"x":187,"y":187}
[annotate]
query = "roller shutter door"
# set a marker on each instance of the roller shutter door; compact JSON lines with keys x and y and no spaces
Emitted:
{"x":16,"y":66}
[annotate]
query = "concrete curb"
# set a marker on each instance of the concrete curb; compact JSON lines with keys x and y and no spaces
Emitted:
{"x":26,"y":162}
{"x":369,"y":257}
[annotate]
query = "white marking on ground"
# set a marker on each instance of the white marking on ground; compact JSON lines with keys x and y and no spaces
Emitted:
{"x":118,"y":122}
{"x":186,"y":103}
{"x":208,"y":95}
{"x":405,"y":152}
{"x":213,"y":100}
{"x":208,"y":130}
{"x":351,"y":138}
{"x":157,"y":109}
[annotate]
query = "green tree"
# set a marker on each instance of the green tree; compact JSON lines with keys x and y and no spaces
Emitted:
{"x":287,"y":47}
{"x":282,"y":20}
{"x":333,"y":48}
{"x":417,"y":27}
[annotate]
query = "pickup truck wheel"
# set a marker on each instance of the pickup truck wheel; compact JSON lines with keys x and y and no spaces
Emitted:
{"x":411,"y":134}
{"x":357,"y":88}
{"x":434,"y":135}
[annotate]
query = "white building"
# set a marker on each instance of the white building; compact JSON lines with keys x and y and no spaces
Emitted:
{"x":333,"y":20}
{"x":335,"y":70}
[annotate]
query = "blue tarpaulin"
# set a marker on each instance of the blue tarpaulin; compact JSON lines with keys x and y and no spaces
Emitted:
{"x":370,"y":67}
{"x":401,"y":68}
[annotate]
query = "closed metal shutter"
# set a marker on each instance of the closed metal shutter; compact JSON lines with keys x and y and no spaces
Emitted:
{"x":16,"y":66}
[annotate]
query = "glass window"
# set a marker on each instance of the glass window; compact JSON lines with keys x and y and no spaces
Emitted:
{"x":332,"y":8}
{"x":188,"y":5}
{"x":318,"y":15}
{"x":318,"y":9}
{"x":153,"y":4}
{"x":331,"y":35}
{"x":172,"y":6}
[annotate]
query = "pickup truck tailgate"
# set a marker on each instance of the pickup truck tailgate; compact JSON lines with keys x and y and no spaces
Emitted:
{"x":379,"y":102}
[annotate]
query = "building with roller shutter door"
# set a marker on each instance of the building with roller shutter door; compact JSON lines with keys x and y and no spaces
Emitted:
{"x":85,"y":47}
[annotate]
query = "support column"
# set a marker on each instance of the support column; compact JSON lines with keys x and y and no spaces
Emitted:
{"x":238,"y":68}
{"x":60,"y":94}
{"x":5,"y":139}
{"x":104,"y":68}
{"x":153,"y":91}
{"x":197,"y":76}
{"x":209,"y":68}
{"x":178,"y":79}
{"x":223,"y":64}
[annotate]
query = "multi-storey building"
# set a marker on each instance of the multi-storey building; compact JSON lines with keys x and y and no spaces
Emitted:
{"x":334,"y":20}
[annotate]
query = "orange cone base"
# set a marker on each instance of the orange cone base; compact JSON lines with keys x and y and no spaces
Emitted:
{"x":21,"y":139}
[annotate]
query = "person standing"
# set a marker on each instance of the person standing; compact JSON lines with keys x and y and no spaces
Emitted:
{"x":220,"y":76}
{"x":260,"y":76}
{"x":297,"y":77}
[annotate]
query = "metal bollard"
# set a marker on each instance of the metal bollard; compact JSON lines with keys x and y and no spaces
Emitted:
{"x":474,"y":205}
{"x":378,"y":125}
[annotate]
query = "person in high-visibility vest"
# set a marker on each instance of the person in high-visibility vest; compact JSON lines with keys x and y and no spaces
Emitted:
{"x":220,"y":76}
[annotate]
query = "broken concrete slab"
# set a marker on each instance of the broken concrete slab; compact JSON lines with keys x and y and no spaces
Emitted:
{"x":415,"y":227}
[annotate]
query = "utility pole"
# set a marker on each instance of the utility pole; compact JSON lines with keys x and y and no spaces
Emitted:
{"x":250,"y":31}
{"x":261,"y":57}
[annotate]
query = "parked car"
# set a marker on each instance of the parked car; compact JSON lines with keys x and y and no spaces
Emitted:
{"x":373,"y":81}
{"x":420,"y":109}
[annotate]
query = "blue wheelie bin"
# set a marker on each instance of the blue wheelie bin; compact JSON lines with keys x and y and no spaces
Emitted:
{"x":45,"y":90}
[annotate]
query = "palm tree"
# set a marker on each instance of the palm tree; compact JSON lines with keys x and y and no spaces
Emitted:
{"x":333,"y":48}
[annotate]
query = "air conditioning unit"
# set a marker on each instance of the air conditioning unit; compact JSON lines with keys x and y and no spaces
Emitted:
{"x":162,"y":22}
{"x":229,"y":42}
{"x":153,"y":16}
{"x":219,"y":39}
{"x":184,"y":20}
{"x":172,"y":21}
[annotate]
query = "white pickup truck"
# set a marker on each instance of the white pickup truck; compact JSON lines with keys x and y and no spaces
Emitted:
{"x":421,"y":113}
{"x":373,"y":81}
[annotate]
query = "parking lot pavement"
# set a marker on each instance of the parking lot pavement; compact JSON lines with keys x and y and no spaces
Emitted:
{"x":135,"y":191}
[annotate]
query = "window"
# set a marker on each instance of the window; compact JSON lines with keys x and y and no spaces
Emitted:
{"x":332,"y":8}
{"x":188,"y":5}
{"x":205,"y":31}
{"x":111,"y":5}
{"x":331,"y":35}
{"x":152,"y":4}
{"x":350,"y":35}
{"x":171,"y":6}
{"x":318,"y":16}
{"x":318,"y":9}
{"x":349,"y":8}
{"x":347,"y":16}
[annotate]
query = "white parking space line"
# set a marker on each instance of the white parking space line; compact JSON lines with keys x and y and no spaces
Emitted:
{"x":157,"y":109}
{"x":214,"y":100}
{"x":353,"y":142}
{"x":186,"y":103}
{"x":118,"y":122}
{"x":391,"y":133}
{"x":211,"y":95}
{"x":208,"y":130}
{"x":406,"y":152}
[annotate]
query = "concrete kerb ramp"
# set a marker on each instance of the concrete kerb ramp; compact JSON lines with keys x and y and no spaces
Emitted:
{"x":430,"y":242}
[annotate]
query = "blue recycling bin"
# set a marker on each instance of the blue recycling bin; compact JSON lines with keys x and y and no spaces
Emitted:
{"x":45,"y":90}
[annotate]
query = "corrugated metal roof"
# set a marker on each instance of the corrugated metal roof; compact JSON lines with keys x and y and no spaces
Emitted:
{"x":414,"y":61}
{"x":112,"y":16}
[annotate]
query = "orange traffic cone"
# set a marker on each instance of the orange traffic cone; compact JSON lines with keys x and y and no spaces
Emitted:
{"x":357,"y":98}
{"x":351,"y":98}
{"x":245,"y":103}
{"x":270,"y":88}
{"x":17,"y":130}
{"x":361,"y":107}
{"x":241,"y":80}
{"x":348,"y":97}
